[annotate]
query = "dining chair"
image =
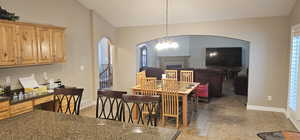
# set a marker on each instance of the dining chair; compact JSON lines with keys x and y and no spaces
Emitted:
{"x":171,"y":74}
{"x":187,"y":76}
{"x":139,"y":77}
{"x":148,"y":86}
{"x":109,"y":104}
{"x":170,"y":102}
{"x":67,"y":100}
{"x":140,"y":103}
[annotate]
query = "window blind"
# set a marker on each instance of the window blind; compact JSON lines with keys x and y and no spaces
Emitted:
{"x":294,"y":71}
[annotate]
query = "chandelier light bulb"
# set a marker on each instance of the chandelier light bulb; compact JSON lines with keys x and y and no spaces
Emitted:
{"x":166,"y":45}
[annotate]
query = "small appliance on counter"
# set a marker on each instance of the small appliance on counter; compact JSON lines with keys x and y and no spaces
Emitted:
{"x":55,"y":84}
{"x":30,"y":85}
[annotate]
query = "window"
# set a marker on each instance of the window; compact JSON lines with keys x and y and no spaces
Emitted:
{"x":294,"y":71}
{"x":144,"y":56}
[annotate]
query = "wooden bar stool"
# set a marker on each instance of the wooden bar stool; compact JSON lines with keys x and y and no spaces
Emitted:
{"x":109,"y":104}
{"x":67,"y":100}
{"x":141,"y":103}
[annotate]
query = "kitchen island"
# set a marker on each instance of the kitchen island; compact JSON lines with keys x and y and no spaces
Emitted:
{"x":44,"y":125}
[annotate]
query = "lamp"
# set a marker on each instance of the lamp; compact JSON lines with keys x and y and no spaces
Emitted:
{"x":166,"y":43}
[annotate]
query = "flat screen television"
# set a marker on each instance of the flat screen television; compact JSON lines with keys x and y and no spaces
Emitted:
{"x":224,"y":57}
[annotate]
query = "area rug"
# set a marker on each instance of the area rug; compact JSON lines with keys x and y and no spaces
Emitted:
{"x":279,"y":135}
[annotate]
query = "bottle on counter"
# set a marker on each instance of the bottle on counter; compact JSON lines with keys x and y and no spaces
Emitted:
{"x":15,"y":96}
{"x":21,"y":95}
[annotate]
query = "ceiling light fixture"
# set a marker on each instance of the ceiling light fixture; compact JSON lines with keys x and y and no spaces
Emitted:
{"x":166,"y":43}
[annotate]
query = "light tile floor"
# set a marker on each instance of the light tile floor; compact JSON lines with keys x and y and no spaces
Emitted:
{"x":225,"y":118}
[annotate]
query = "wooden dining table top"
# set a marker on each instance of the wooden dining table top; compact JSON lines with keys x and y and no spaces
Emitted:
{"x":185,"y":88}
{"x":44,"y":125}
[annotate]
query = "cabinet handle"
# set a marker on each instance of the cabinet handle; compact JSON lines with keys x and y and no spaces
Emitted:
{"x":5,"y":54}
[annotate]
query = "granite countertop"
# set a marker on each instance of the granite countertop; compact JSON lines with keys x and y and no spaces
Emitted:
{"x":28,"y":97}
{"x":25,"y":98}
{"x":43,"y":125}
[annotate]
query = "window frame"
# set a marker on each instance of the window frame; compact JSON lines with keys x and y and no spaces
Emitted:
{"x":296,"y":114}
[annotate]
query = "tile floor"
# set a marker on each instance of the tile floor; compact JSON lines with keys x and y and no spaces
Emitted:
{"x":225,"y":118}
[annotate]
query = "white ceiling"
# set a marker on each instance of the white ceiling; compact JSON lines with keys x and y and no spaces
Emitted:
{"x":150,"y":12}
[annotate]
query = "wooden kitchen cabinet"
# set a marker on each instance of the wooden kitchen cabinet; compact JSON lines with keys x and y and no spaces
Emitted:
{"x":8,"y":48}
{"x":23,"y":44}
{"x":4,"y":110}
{"x":21,"y":108}
{"x":43,"y":100}
{"x":44,"y":45}
{"x":27,"y":44}
{"x":58,"y":49}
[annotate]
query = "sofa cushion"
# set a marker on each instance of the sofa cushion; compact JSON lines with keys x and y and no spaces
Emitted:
{"x":201,"y":91}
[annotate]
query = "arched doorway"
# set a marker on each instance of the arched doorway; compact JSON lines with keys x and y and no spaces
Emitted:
{"x":105,"y":63}
{"x":220,"y":61}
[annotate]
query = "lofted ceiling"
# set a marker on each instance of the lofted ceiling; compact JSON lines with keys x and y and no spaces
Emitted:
{"x":150,"y":12}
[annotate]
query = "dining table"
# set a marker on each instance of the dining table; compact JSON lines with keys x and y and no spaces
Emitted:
{"x":45,"y":125}
{"x":184,"y":90}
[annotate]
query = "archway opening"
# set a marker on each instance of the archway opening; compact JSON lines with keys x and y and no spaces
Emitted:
{"x":221,"y":62}
{"x":105,"y":63}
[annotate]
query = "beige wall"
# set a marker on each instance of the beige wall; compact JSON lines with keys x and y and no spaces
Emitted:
{"x":295,"y":15}
{"x":78,"y":36}
{"x":268,"y":49}
{"x":269,"y":46}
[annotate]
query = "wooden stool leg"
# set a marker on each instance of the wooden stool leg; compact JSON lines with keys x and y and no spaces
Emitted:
{"x":134,"y":111}
{"x":163,"y":120}
{"x":177,"y":122}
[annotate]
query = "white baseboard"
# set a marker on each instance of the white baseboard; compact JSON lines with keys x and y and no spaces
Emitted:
{"x":86,"y":104}
{"x":294,"y":123}
{"x":264,"y":108}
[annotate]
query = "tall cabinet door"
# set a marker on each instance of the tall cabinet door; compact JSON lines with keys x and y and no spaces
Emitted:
{"x":8,"y":50}
{"x":27,"y":44}
{"x":58,"y":46}
{"x":44,"y":46}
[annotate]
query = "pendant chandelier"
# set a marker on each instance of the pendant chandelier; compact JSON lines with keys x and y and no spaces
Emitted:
{"x":165,"y":42}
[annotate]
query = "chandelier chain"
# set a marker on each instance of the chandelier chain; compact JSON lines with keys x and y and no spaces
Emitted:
{"x":167,"y":18}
